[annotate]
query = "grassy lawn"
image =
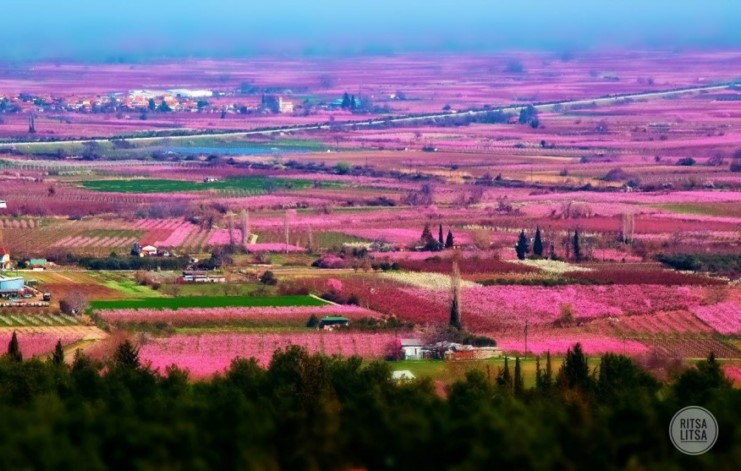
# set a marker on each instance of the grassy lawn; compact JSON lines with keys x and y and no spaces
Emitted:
{"x":155,"y":185}
{"x":124,"y":284}
{"x":208,"y":302}
{"x":132,"y":289}
{"x":449,"y":371}
{"x":216,"y":289}
{"x":709,"y":209}
{"x":335,"y":239}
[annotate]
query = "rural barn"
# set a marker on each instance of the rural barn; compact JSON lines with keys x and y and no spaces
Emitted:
{"x":10,"y":286}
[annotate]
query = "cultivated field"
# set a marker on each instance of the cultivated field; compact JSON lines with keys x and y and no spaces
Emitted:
{"x":626,"y":165}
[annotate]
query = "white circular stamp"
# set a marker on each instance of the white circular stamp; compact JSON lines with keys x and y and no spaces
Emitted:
{"x":693,"y":430}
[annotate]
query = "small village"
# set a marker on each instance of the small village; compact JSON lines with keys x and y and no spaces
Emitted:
{"x":181,"y":100}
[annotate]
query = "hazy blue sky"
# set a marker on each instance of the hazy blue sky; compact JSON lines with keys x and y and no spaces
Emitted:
{"x":109,"y":28}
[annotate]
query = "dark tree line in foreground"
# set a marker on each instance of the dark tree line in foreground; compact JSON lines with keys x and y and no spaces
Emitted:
{"x":314,"y":412}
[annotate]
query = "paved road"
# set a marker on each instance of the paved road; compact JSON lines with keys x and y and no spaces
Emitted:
{"x":391,"y":120}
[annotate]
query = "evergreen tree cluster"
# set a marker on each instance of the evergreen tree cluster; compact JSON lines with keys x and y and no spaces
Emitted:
{"x":523,"y":249}
{"x":316,"y":412}
{"x":435,"y":244}
{"x":349,"y":102}
{"x":523,"y":245}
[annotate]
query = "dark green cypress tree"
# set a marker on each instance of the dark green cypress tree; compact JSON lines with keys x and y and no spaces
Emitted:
{"x":57,"y":357}
{"x":519,"y":383}
{"x":548,"y":375}
{"x":449,"y":240}
{"x":504,"y":379}
{"x":428,"y":240}
{"x":577,"y":247}
{"x":455,"y":313}
{"x":14,"y":349}
{"x":440,"y":237}
{"x":522,"y":246}
{"x":538,"y":374}
{"x":538,"y":244}
{"x":345,"y":101}
{"x":455,"y":306}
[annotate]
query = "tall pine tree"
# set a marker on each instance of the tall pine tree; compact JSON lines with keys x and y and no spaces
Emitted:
{"x":14,"y":349}
{"x":577,"y":246}
{"x":519,"y":383}
{"x":574,"y":373}
{"x":440,"y":236}
{"x":504,"y":378}
{"x":126,"y":356}
{"x":345,"y":101}
{"x":455,"y":288}
{"x":538,"y":244}
{"x":449,"y":240}
{"x":57,"y":357}
{"x":428,"y":241}
{"x":548,"y":375}
{"x":522,"y":246}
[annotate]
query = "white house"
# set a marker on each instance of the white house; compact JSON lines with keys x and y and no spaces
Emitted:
{"x":411,"y":349}
{"x":148,"y":251}
{"x":5,"y":262}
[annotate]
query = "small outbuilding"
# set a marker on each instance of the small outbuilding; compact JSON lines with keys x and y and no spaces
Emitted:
{"x":38,"y":264}
{"x":193,"y":276}
{"x":148,"y":251}
{"x":332,"y":322}
{"x":411,"y":349}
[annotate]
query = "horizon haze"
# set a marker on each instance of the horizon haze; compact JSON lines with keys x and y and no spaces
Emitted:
{"x":137,"y":30}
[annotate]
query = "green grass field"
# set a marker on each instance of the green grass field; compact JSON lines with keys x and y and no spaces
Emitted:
{"x":707,"y":209}
{"x":449,"y":371}
{"x":153,"y":185}
{"x":217,"y":289}
{"x":208,"y":302}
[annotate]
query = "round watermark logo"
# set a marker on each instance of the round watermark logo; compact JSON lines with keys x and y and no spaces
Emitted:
{"x":693,"y":430}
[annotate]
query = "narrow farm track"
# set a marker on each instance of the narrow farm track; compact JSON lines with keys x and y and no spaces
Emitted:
{"x":188,"y":134}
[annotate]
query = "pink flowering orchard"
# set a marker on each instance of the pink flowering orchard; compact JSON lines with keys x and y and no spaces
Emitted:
{"x":207,"y":354}
{"x":341,"y":204}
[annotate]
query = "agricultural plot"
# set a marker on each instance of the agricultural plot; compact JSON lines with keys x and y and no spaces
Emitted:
{"x":292,"y":316}
{"x":40,"y":341}
{"x":231,"y":186}
{"x":39,"y":320}
{"x":646,"y":182}
{"x":207,"y":354}
{"x":208,"y":302}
